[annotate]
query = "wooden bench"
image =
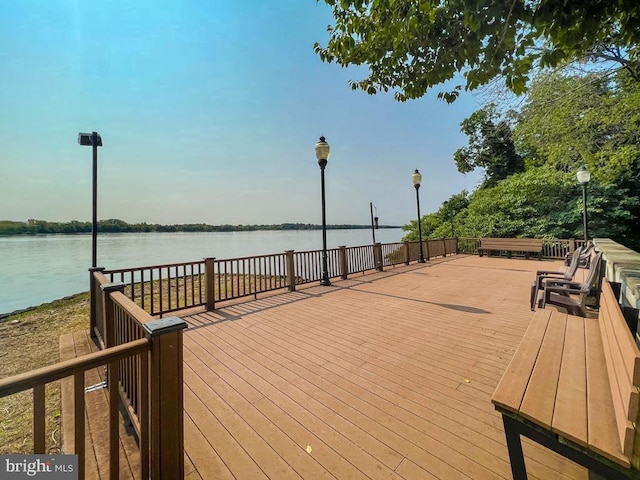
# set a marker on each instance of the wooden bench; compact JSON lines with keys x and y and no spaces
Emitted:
{"x":525,"y":245}
{"x":572,"y":386}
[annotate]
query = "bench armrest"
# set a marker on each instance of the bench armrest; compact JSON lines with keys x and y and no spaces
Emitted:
{"x":561,"y":290}
{"x":548,"y":272}
{"x":561,"y":282}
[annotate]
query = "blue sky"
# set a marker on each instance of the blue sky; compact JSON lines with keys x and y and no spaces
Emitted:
{"x":209,"y":112}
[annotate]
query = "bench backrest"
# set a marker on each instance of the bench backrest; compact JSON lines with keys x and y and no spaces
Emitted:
{"x":593,"y":274}
{"x":497,"y":243}
{"x":622,"y":357}
{"x":573,"y":266}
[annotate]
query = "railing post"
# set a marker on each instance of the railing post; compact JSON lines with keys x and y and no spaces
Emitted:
{"x":377,"y":255}
{"x":291,"y":271}
{"x":166,"y":419}
{"x":93,"y":297}
{"x":108,"y":327}
{"x":344,"y":266}
{"x":427,"y":256}
{"x":407,"y":255}
{"x":572,"y":245}
{"x":444,"y":245}
{"x":209,"y":283}
{"x":456,"y":243}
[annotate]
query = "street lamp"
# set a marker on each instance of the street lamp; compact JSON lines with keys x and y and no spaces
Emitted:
{"x":416,"y":178}
{"x":94,"y":140}
{"x":583,"y":177}
{"x":374,"y":221}
{"x":322,"y":154}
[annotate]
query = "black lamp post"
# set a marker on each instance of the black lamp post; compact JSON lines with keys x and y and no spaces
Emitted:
{"x":374,"y":221}
{"x":584,"y":176}
{"x":417,"y":178}
{"x":322,"y":154}
{"x":94,"y":140}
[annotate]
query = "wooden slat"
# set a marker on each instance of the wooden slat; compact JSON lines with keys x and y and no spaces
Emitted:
{"x":624,"y":339}
{"x":620,"y":405}
{"x":570,"y":412}
{"x":619,"y":376}
{"x":511,"y":388}
{"x":603,"y":431}
{"x":38,"y":419}
{"x":67,"y":352}
{"x":539,"y":398}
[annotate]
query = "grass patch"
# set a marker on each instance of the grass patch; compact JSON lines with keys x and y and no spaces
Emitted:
{"x":28,"y":341}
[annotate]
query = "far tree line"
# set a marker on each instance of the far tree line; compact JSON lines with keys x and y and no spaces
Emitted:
{"x":37,"y":227}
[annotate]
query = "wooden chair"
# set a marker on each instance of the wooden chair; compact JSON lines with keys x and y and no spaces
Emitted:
{"x":558,"y":292}
{"x":541,"y":275}
{"x":585,"y":256}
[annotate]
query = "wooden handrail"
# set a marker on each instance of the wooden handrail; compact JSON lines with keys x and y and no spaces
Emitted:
{"x":58,"y":371}
{"x":137,"y":313}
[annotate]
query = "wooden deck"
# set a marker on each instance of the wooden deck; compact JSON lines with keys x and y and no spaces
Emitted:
{"x":382,"y":376}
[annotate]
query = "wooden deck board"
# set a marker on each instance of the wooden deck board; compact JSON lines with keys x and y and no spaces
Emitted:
{"x":383,"y":376}
{"x":387,"y":375}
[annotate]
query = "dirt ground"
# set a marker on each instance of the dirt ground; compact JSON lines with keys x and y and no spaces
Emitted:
{"x":28,"y":341}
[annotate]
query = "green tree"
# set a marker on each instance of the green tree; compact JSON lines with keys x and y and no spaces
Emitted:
{"x":490,"y":146}
{"x":410,"y":46}
{"x":442,"y":223}
{"x":542,"y":202}
{"x":568,"y":120}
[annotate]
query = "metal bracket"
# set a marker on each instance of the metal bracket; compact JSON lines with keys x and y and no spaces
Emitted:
{"x":97,"y":386}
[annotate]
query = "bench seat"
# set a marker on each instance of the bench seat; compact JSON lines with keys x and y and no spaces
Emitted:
{"x":572,"y":386}
{"x":525,"y":245}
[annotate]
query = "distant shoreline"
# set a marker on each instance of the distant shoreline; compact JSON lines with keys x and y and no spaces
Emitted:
{"x":43,"y":227}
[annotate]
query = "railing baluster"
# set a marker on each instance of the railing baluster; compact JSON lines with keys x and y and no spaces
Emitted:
{"x":78,"y":414}
{"x":114,"y":420}
{"x":219,"y":296}
{"x":39,"y":419}
{"x":143,"y":375}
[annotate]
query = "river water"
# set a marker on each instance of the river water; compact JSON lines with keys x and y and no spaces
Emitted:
{"x":39,"y":269}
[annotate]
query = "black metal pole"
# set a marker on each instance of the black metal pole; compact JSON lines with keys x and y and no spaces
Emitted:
{"x":94,"y":223}
{"x":584,"y":212}
{"x":325,"y":270}
{"x":373,"y":227}
{"x":421,"y":257}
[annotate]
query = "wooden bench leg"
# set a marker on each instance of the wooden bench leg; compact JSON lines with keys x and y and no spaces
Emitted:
{"x":598,"y":467}
{"x":514,"y":445}
{"x":534,"y":294}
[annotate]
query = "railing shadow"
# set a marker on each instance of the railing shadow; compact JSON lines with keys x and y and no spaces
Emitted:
{"x":240,"y":310}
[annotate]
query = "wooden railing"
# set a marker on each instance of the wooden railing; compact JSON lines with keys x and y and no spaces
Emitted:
{"x":161,"y":289}
{"x":394,"y":253}
{"x":360,"y":259}
{"x":143,"y":357}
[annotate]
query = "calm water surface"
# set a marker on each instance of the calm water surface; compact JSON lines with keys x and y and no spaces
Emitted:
{"x":42,"y":268}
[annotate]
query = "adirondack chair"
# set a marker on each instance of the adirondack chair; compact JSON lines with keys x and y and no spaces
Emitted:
{"x":558,"y":292}
{"x":585,"y":256}
{"x":541,"y":275}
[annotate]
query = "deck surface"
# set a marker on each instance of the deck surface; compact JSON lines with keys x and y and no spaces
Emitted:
{"x":383,"y":376}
